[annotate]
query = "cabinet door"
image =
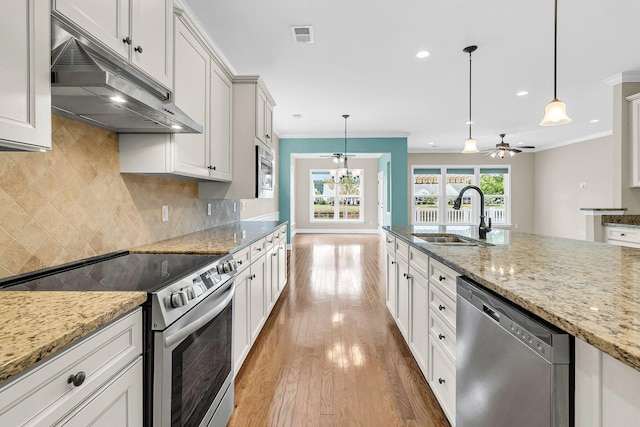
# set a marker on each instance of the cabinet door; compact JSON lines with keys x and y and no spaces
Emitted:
{"x":220,"y":124}
{"x":268,"y":124}
{"x":272,"y":285}
{"x":257,"y":297}
{"x":392,"y":283}
{"x":241,"y":337}
{"x":118,"y":403}
{"x":402,"y":318}
{"x":419,"y":321}
{"x":261,"y":111}
{"x":106,"y":21}
{"x":25,"y":112}
{"x":191,"y":89}
{"x":151,"y":38}
{"x":282,"y":264}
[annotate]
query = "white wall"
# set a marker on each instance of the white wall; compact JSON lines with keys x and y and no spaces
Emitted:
{"x":522,"y":194}
{"x":558,"y":176}
{"x":302,"y":183}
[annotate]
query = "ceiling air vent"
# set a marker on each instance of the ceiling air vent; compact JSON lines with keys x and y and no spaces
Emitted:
{"x":302,"y":33}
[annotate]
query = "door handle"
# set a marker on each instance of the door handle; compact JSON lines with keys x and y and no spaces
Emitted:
{"x":491,"y":313}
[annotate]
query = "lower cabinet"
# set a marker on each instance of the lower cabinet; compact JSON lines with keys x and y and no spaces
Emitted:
{"x":261,"y":276}
{"x":418,"y":318}
{"x":391,"y":282}
{"x":404,"y":284}
{"x":606,"y":390}
{"x":442,"y":379}
{"x":107,"y":366}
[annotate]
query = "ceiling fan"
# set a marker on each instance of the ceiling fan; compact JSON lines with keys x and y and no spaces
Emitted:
{"x":339,"y":157}
{"x":503,"y":149}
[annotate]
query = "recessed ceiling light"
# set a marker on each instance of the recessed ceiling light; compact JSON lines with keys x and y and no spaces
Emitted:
{"x":432,"y":143}
{"x":520,"y":143}
{"x":118,"y":99}
{"x":522,"y":93}
{"x":176,"y":127}
{"x":594,"y":121}
{"x":422,"y":54}
{"x":297,"y":116}
{"x":468,"y":123}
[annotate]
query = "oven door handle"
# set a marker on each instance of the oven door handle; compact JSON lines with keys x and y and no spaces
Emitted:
{"x":182,"y":333}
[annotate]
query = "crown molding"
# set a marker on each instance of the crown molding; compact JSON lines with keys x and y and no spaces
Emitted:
{"x":624,"y":77}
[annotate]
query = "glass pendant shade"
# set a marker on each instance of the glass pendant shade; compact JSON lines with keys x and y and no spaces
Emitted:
{"x":470,"y":146}
{"x":555,"y":113}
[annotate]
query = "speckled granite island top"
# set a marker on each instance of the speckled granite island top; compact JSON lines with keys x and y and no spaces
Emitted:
{"x":213,"y":241}
{"x":591,"y":290}
{"x":34,"y":325}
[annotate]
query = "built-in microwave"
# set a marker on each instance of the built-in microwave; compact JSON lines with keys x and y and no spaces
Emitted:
{"x":264,"y":173}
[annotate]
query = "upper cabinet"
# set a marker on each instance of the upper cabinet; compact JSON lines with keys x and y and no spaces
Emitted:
{"x":264,"y":116}
{"x":137,"y":31}
{"x":25,"y":113}
{"x":203,"y":90}
{"x":634,"y":138}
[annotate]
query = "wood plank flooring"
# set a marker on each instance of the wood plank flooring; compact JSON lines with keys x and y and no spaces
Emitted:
{"x":330,"y":353}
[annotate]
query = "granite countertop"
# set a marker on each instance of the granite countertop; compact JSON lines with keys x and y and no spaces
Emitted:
{"x":590,"y":290}
{"x":34,"y":325}
{"x":214,"y":241}
{"x":621,"y":225}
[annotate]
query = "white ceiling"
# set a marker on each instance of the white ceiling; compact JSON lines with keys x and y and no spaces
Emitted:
{"x":363,"y":63}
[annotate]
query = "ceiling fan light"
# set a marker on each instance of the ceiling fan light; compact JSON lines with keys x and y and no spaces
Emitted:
{"x":470,"y":146}
{"x":555,"y":113}
{"x":335,"y":160}
{"x":511,"y":153}
{"x":493,"y":154}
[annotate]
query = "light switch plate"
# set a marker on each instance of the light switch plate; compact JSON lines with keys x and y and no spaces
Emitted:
{"x":165,"y":213}
{"x":208,"y":208}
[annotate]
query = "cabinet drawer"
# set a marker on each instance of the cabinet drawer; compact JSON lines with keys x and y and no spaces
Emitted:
{"x":282,"y":231}
{"x":443,"y":276}
{"x":402,"y":249}
{"x":442,"y":378}
{"x":44,"y":395}
{"x":243,"y":258}
{"x":442,"y":307}
{"x":419,"y":260}
{"x":442,"y":336}
{"x":390,"y":241}
{"x":258,"y":249}
{"x":270,"y":240}
{"x":631,"y":235}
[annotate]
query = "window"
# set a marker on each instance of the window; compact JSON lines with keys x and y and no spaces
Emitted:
{"x":435,"y":189}
{"x":336,"y":199}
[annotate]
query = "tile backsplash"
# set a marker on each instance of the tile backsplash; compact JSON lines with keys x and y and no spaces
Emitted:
{"x":72,"y":202}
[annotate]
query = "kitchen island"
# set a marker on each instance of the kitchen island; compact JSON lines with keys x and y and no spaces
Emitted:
{"x":590,"y":290}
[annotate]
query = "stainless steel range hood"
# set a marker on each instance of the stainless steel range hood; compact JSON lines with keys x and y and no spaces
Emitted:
{"x":90,"y":85}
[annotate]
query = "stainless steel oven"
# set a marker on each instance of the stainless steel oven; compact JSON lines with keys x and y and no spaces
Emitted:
{"x":264,"y":173}
{"x":193,"y":372}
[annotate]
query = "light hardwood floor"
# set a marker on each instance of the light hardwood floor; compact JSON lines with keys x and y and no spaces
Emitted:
{"x":330,"y":353}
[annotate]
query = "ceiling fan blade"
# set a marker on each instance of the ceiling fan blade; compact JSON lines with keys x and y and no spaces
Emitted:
{"x":515,"y":150}
{"x":526,"y":146}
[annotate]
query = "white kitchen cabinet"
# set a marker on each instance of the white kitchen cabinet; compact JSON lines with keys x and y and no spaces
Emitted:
{"x":634,"y":136}
{"x":138,"y":31}
{"x":118,"y":403}
{"x":264,"y":117}
{"x":404,"y":291}
{"x":257,"y":311}
{"x":419,"y":317}
{"x":282,"y":258}
{"x":110,"y":361}
{"x":203,"y":90}
{"x":252,"y":116}
{"x":241,"y":334}
{"x":622,"y":236}
{"x":25,"y":110}
{"x":442,"y":379}
{"x":271,"y":279}
{"x":391,"y":282}
{"x":606,"y":390}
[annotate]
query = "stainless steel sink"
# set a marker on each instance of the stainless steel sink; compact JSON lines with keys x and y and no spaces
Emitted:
{"x":445,"y":239}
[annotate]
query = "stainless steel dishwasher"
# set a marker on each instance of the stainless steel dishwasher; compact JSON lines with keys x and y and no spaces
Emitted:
{"x":511,"y":369}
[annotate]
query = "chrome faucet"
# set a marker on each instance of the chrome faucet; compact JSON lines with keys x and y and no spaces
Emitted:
{"x":483,"y":229}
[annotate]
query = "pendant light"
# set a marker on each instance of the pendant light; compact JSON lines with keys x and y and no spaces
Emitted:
{"x":470,"y":143}
{"x":344,"y":171}
{"x":555,"y":113}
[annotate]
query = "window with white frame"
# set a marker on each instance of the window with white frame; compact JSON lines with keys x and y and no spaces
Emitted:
{"x":335,"y":198}
{"x":435,"y":189}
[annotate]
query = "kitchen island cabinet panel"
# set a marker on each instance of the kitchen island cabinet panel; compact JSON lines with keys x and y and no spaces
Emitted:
{"x":25,"y":113}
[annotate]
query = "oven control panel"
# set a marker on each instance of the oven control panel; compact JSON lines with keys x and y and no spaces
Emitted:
{"x":175,"y":300}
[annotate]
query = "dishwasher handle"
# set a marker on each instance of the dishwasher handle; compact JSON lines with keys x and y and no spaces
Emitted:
{"x":490,"y":312}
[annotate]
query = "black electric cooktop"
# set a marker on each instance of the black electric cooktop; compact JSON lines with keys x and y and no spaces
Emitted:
{"x":118,"y":271}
